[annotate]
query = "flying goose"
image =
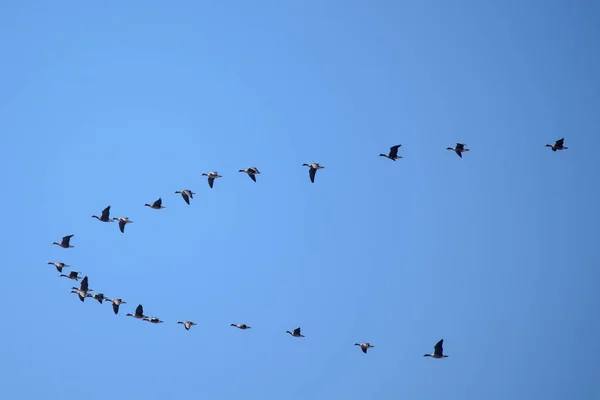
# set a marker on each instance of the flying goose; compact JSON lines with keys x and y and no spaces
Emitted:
{"x":251,"y":171}
{"x":98,"y":296}
{"x":72,"y":275}
{"x":241,"y":326}
{"x":122,"y":222}
{"x":438,"y":351}
{"x":116,"y":303}
{"x":364,"y":346}
{"x":313,"y":170}
{"x":157,"y":205}
{"x":393,"y":154}
{"x":83,"y":289}
{"x":296,"y":333}
{"x":139,"y":313}
{"x":558,"y":145}
{"x":153,"y":320}
{"x":187,"y":324}
{"x":211,"y":178}
{"x":105,"y":215}
{"x":459,"y":149}
{"x":186,"y":194}
{"x":65,"y":243}
{"x":59,"y":265}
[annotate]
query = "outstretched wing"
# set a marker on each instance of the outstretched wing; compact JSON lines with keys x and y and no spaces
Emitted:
{"x":115,"y":307}
{"x":560,"y":142}
{"x":394,"y":150}
{"x":252,"y":177}
{"x":122,"y":226}
{"x":105,"y":213}
{"x":210,"y":182}
{"x":438,"y":349}
{"x":185,"y":197}
{"x":296,"y":331}
{"x":460,"y":146}
{"x":158,"y":203}
{"x":139,"y":311}
{"x":312,"y":173}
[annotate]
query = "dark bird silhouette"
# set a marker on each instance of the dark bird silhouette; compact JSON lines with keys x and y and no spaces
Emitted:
{"x":558,"y":145}
{"x":157,"y":205}
{"x":295,"y":333}
{"x":393,"y":154}
{"x":459,"y":149}
{"x":313,"y":170}
{"x":105,"y":217}
{"x":438,"y":351}
{"x":65,"y":243}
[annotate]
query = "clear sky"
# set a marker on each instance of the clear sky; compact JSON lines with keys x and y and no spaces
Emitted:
{"x":122,"y":102}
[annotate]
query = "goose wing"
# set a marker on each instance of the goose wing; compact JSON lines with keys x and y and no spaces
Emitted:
{"x":311,"y":172}
{"x":115,"y":307}
{"x":105,"y":214}
{"x":66,"y":240}
{"x":438,"y":348}
{"x":211,"y":181}
{"x":84,"y":284}
{"x":252,"y":177}
{"x":185,"y":196}
{"x":296,"y":332}
{"x":139,"y":311}
{"x":122,"y":225}
{"x":560,"y":142}
{"x":394,"y":150}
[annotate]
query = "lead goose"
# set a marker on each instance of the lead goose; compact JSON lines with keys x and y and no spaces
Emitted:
{"x":65,"y":242}
{"x":295,"y":333}
{"x":558,"y":145}
{"x":105,"y":215}
{"x":251,"y":171}
{"x":459,"y":149}
{"x":211,"y":178}
{"x":438,"y":351}
{"x":393,"y":154}
{"x":364,"y":346}
{"x":313,"y":170}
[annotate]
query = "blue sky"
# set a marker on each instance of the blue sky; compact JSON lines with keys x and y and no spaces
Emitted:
{"x":119,"y":103}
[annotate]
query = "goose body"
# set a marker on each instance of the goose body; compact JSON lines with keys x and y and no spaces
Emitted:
{"x":295,"y":333}
{"x":241,"y":326}
{"x":211,"y":178}
{"x":98,"y":296}
{"x":187,"y":324}
{"x":105,"y":217}
{"x":438,"y":351}
{"x":122,"y":222}
{"x":139,"y":313}
{"x":115,"y":304}
{"x":313,"y":167}
{"x":458,"y":149}
{"x":59,"y":265}
{"x":153,"y":320}
{"x":186,"y":194}
{"x":558,"y":145}
{"x":157,"y":205}
{"x":72,"y":275}
{"x":364,"y":346}
{"x":65,"y":242}
{"x":393,"y":154}
{"x":251,"y":171}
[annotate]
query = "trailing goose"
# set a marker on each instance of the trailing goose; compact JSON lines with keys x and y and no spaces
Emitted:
{"x":393,"y":154}
{"x":211,"y":178}
{"x":105,"y":215}
{"x":364,"y":346}
{"x":98,"y":296}
{"x":65,"y":243}
{"x":116,"y":303}
{"x":251,"y":171}
{"x":153,"y":320}
{"x":187,"y":324}
{"x":558,"y":145}
{"x":313,"y":170}
{"x":122,"y":222}
{"x":72,"y":275}
{"x":139,"y":313}
{"x":241,"y":326}
{"x":59,"y":265}
{"x":295,"y":333}
{"x":157,"y":205}
{"x":186,"y":194}
{"x":438,"y":351}
{"x":459,"y":149}
{"x":83,"y":289}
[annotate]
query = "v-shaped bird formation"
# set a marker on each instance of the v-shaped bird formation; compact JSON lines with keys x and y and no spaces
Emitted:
{"x":84,"y":291}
